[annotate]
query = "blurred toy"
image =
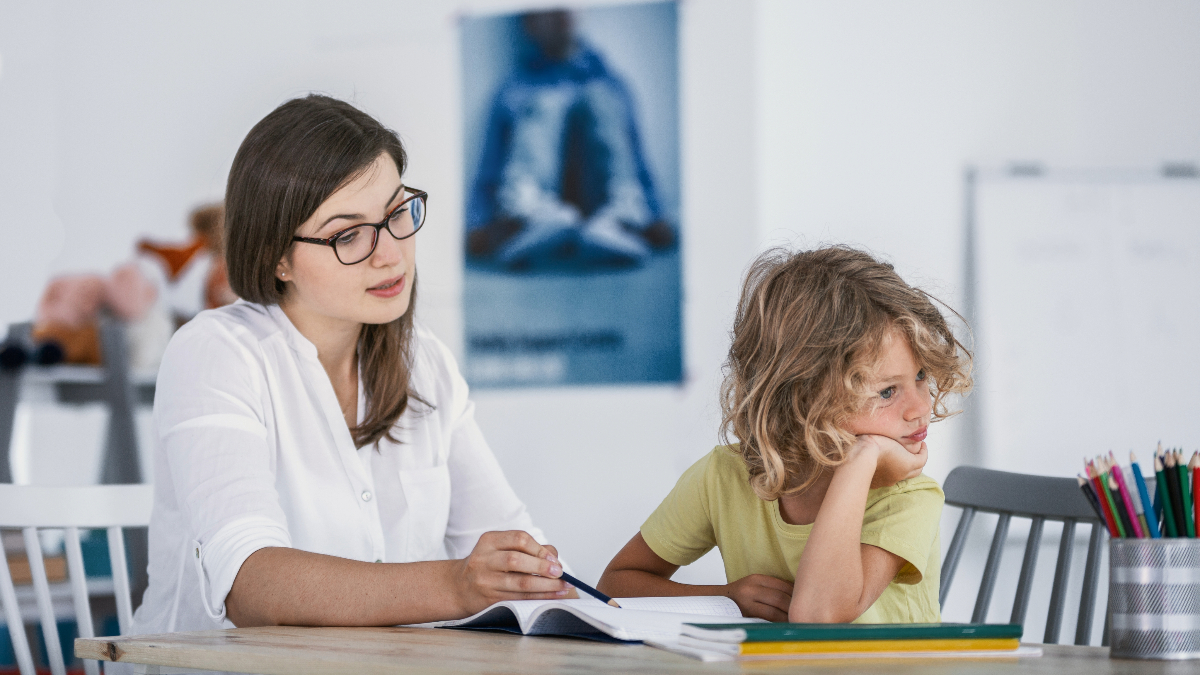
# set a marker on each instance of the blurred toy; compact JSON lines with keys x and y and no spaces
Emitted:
{"x":162,"y":288}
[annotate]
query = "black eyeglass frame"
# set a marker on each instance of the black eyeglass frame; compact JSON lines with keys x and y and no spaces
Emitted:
{"x":331,"y":241}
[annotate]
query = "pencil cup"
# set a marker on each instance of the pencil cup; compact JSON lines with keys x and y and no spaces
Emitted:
{"x":1154,"y":594}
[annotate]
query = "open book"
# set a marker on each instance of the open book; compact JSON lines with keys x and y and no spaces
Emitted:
{"x":638,"y":619}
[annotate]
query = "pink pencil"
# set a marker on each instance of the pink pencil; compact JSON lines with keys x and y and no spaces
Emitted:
{"x":1116,"y":473}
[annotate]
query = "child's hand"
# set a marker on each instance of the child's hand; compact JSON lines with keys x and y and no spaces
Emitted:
{"x":761,"y":596}
{"x":894,"y":462}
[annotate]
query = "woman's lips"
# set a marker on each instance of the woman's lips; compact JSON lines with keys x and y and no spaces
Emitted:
{"x":918,"y":435}
{"x":388,"y":289}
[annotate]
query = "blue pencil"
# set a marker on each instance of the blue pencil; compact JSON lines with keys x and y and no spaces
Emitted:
{"x":589,"y":590}
{"x":1151,"y":519}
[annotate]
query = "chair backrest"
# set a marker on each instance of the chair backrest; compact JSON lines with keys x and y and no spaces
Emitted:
{"x":30,"y":508}
{"x":1038,"y":498}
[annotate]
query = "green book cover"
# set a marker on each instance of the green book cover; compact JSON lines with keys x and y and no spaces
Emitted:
{"x":799,"y":632}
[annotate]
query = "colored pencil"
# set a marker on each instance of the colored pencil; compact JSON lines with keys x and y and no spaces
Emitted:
{"x":1164,"y":496}
{"x":1144,"y":497}
{"x":1185,"y":492}
{"x":1127,"y":501}
{"x":1126,"y":519}
{"x":1086,"y":488}
{"x":1105,"y":501}
{"x":589,"y":590}
{"x":1175,"y":499}
{"x":1195,"y":485}
{"x":1136,"y":498}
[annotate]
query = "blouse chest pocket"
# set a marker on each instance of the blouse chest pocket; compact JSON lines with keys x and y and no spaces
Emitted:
{"x":427,"y":494}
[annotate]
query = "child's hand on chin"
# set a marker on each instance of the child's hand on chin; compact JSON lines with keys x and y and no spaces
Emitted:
{"x":893,"y":462}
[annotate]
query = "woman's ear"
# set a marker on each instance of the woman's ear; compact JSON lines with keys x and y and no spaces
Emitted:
{"x":283,"y":270}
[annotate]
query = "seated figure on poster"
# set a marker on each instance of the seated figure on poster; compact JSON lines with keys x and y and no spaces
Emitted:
{"x":562,"y":180}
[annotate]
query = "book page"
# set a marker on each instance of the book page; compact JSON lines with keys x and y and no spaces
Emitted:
{"x":708,"y":605}
{"x":624,"y":624}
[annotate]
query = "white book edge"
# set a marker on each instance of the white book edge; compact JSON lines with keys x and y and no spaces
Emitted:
{"x":708,"y":655}
{"x":640,"y":618}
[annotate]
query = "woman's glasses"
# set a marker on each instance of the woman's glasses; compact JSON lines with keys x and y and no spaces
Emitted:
{"x":355,"y":244}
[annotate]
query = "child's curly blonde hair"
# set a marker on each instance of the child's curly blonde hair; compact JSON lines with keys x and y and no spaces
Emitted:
{"x":808,"y":332}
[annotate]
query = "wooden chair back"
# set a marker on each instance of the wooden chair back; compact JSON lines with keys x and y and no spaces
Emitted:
{"x":1039,"y":498}
{"x":31,"y":508}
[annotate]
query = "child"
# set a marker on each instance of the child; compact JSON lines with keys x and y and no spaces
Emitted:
{"x":821,"y":513}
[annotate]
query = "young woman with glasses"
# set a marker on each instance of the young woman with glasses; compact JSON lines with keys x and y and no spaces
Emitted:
{"x":317,"y":460}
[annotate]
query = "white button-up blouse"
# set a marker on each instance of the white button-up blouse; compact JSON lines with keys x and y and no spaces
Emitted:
{"x":253,"y":451}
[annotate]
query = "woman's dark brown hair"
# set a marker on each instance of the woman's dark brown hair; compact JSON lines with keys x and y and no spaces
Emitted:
{"x":809,"y":329}
{"x":288,"y":165}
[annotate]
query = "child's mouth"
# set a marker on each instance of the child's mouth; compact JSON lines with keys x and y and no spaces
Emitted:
{"x":918,"y":435}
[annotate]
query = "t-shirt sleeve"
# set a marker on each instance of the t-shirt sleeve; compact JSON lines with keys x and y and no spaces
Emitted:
{"x":680,"y":530}
{"x":904,"y":521}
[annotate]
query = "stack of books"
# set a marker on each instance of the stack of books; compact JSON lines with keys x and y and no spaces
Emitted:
{"x":732,"y":642}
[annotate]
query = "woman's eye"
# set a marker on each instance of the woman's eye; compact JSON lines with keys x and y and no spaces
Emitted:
{"x":398,"y":212}
{"x":887,"y":393}
{"x":920,"y":375}
{"x":347,"y":238}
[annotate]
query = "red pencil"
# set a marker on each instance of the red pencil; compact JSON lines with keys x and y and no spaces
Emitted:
{"x":1110,"y":517}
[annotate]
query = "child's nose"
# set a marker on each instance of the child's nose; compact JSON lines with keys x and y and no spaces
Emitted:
{"x":919,"y":405}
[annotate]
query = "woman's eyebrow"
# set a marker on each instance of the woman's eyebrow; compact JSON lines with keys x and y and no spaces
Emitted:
{"x":357,"y":216}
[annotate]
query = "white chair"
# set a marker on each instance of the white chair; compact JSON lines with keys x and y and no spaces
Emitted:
{"x":30,"y":508}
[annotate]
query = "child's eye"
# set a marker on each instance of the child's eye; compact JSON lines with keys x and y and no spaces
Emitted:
{"x":920,"y":375}
{"x":887,"y":393}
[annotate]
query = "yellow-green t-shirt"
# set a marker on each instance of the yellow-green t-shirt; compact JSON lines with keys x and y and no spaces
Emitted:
{"x":714,"y":505}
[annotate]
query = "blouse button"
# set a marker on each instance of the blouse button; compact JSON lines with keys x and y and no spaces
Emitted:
{"x":366,"y":495}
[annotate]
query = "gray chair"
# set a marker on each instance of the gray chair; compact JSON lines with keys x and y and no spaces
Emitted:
{"x":1038,"y":498}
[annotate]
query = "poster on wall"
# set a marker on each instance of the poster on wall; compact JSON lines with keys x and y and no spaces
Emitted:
{"x":571,"y":161}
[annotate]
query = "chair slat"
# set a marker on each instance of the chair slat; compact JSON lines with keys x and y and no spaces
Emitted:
{"x":1091,"y":577}
{"x":1017,"y":493}
{"x":1062,"y":573}
{"x":41,"y":589}
{"x":79,"y":594}
{"x":991,"y":570}
{"x":950,"y":566}
{"x":12,"y":615}
{"x":120,"y":575}
{"x":1025,"y":582}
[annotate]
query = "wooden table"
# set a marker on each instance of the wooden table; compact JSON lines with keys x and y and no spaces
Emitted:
{"x":326,"y":651}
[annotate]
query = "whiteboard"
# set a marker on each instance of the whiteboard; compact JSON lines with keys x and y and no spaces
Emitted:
{"x":1086,"y":317}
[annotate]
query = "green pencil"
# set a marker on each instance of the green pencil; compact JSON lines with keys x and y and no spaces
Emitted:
{"x":1186,"y":493}
{"x":1112,"y":502}
{"x":1164,"y":495}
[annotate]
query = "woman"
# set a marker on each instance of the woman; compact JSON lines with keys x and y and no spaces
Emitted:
{"x":313,"y":430}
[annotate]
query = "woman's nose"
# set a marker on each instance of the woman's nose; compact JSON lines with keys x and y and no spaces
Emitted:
{"x":388,"y":250}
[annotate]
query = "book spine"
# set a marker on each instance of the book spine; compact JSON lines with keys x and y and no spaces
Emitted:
{"x":844,"y":646}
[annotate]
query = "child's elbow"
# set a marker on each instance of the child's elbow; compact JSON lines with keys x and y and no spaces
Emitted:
{"x":820,"y":614}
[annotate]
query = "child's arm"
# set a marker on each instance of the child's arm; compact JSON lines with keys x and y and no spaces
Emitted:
{"x":637,"y":571}
{"x":839,"y":577}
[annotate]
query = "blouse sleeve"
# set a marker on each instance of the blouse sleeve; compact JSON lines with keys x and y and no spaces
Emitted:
{"x":210,"y":423}
{"x":481,"y":498}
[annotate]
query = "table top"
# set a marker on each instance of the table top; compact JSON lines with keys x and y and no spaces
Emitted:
{"x":329,"y":651}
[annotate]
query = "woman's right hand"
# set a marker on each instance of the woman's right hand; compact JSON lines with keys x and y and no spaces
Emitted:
{"x":761,"y":596}
{"x":508,"y":566}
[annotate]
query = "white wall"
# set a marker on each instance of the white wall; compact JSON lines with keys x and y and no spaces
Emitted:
{"x":868,"y":112}
{"x":135,"y":112}
{"x":837,"y":121}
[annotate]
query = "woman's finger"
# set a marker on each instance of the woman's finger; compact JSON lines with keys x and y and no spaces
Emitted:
{"x":529,"y":583}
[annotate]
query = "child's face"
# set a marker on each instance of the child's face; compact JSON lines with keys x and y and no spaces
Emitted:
{"x":902,"y":405}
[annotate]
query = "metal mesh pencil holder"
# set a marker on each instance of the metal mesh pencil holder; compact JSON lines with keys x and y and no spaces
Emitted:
{"x":1154,"y":595}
